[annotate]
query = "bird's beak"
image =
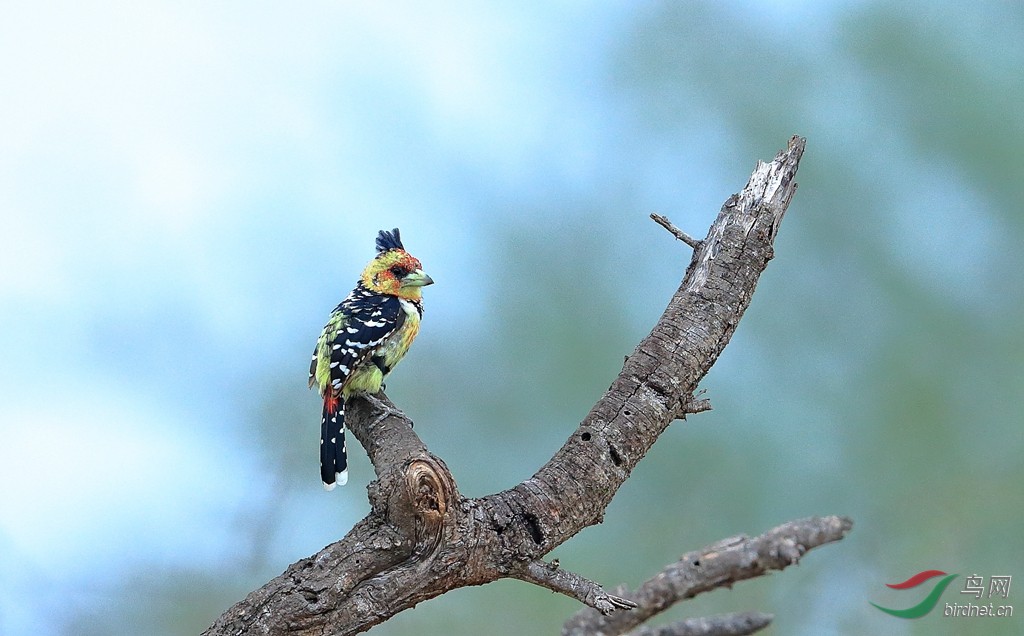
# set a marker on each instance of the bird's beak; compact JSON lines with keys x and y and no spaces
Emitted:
{"x":418,"y":278}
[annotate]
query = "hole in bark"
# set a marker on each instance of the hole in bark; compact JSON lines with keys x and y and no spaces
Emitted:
{"x":585,"y":437}
{"x":627,"y":413}
{"x":533,"y":527}
{"x":616,"y":458}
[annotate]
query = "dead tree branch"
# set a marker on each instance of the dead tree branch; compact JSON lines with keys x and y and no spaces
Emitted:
{"x":422,"y":538}
{"x":551,"y":576}
{"x":718,"y":565}
{"x":676,"y":232}
{"x":739,"y":624}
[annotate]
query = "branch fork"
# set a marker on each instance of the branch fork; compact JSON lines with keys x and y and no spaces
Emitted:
{"x":422,"y":538}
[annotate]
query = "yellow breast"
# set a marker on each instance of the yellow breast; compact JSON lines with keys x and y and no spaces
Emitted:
{"x":367,"y":378}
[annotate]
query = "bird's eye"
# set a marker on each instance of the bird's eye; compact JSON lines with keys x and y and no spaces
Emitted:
{"x":399,"y":271}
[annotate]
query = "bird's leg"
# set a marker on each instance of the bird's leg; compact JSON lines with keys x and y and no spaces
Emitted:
{"x":386,"y":409}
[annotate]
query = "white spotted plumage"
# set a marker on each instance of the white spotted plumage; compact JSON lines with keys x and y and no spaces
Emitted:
{"x":367,"y":334}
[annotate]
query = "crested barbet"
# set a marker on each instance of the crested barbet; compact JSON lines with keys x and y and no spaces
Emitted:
{"x":365,"y":337}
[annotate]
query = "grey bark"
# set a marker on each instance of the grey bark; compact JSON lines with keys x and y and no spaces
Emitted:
{"x":422,"y":538}
{"x":720,"y":564}
{"x":739,"y":624}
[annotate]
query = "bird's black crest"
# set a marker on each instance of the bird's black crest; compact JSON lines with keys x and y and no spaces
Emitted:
{"x":389,"y":241}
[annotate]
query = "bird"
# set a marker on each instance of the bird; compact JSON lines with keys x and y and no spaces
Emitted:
{"x":366,"y":335}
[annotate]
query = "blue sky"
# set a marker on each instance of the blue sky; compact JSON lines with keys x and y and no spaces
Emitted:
{"x":175,"y":178}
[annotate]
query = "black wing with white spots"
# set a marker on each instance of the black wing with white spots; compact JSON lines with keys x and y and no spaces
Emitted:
{"x":355,"y":331}
{"x":358,"y":326}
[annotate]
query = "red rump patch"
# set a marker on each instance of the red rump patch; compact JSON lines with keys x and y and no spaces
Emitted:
{"x":331,"y":403}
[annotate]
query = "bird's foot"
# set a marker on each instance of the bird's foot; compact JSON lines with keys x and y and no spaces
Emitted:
{"x":385,"y":408}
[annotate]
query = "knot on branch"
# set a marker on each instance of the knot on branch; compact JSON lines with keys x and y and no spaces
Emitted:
{"x":430,"y":488}
{"x":421,"y":501}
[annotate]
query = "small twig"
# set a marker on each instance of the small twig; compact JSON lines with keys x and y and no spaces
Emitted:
{"x":698,"y":406}
{"x":737,"y":624}
{"x":676,"y":232}
{"x":694,"y":405}
{"x":690,"y":405}
{"x":551,"y":576}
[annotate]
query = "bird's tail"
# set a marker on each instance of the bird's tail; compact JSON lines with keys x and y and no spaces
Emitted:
{"x":333,"y":455}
